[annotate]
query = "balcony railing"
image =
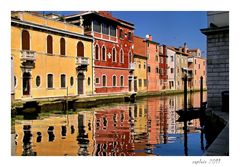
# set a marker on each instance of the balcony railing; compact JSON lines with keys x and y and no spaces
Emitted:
{"x":131,"y":66}
{"x":190,"y":60}
{"x":82,"y":61}
{"x":28,"y":55}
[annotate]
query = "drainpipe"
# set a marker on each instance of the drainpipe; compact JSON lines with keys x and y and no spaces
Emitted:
{"x":93,"y":69}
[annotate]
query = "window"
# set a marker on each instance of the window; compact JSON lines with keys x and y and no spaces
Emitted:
{"x":96,"y":52}
{"x":80,"y":49}
{"x":96,"y":26}
{"x":50,"y":80}
{"x":144,"y":66}
{"x":121,"y":33}
{"x":195,"y":72}
{"x":103,"y":53}
{"x":149,"y":69}
{"x":63,"y":80}
{"x":140,"y":82}
{"x":97,"y":80}
{"x":25,"y":40}
{"x":195,"y":61}
{"x":38,"y":81}
{"x":114,"y":82}
{"x":203,"y":63}
{"x":130,"y":36}
{"x":156,"y":58}
{"x":113,"y":31}
{"x":121,"y":81}
{"x":114,"y":55}
{"x":130,"y":57}
{"x":199,"y":66}
{"x":139,"y":66}
{"x":104,"y":80}
{"x":89,"y":81}
{"x":171,"y":58}
{"x":156,"y":69}
{"x":171,"y":70}
{"x":62,"y":46}
{"x":145,"y":82}
{"x":105,"y":29}
{"x":121,"y":56}
{"x":49,"y":44}
{"x":71,"y":81}
{"x":15,"y":81}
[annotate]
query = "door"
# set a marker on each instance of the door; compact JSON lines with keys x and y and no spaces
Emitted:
{"x":135,"y":84}
{"x":80,"y":83}
{"x":26,"y":83}
{"x":129,"y":85}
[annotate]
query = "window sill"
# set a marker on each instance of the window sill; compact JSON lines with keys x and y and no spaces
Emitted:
{"x":50,"y":88}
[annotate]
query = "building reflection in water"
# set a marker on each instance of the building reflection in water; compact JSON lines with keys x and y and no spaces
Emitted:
{"x":147,"y":127}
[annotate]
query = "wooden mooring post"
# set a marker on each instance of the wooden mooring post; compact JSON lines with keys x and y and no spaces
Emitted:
{"x":201,"y":92}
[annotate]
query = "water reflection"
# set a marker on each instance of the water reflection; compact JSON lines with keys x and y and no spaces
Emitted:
{"x":147,"y":127}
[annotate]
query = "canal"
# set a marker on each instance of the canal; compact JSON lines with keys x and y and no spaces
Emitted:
{"x":147,"y":127}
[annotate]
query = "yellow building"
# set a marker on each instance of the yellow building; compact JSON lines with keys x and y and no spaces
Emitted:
{"x":140,"y":59}
{"x":51,"y":58}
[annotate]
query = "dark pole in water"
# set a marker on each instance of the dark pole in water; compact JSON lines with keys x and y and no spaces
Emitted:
{"x":185,"y":121}
{"x":201,"y":92}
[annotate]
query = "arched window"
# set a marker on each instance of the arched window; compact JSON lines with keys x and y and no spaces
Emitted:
{"x":63,"y":80}
{"x":114,"y":59}
{"x":121,"y":81}
{"x":89,"y":81}
{"x":49,"y":44}
{"x":114,"y":81}
{"x":103,"y":53}
{"x":62,"y":46}
{"x":80,"y":49}
{"x":104,"y":80}
{"x":50,"y":80}
{"x":121,"y":56}
{"x":25,"y":40}
{"x":96,"y":52}
{"x":130,"y":57}
{"x":71,"y":81}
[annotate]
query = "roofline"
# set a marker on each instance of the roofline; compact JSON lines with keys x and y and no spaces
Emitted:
{"x":50,"y":29}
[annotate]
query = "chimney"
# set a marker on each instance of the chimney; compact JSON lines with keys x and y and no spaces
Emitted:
{"x":149,"y":37}
{"x":185,"y":49}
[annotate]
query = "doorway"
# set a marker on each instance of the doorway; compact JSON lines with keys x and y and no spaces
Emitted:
{"x":26,"y":83}
{"x":80,"y":82}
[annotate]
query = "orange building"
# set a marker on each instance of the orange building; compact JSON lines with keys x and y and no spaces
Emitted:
{"x":153,"y":84}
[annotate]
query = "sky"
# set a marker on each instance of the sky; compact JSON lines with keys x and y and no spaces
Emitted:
{"x":172,"y":28}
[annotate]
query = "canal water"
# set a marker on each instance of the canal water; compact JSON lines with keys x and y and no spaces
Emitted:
{"x":145,"y":128}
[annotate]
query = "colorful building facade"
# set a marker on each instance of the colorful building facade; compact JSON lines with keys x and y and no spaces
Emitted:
{"x":171,"y":54}
{"x":153,"y":84}
{"x":51,"y":58}
{"x":113,"y":50}
{"x":163,"y":66}
{"x":140,"y":60}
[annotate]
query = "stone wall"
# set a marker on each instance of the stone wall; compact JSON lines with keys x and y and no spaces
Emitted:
{"x":217,"y":66}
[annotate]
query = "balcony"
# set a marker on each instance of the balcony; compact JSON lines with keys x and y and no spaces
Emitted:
{"x":28,"y":59}
{"x":28,"y":55}
{"x":82,"y":63}
{"x":131,"y":66}
{"x":190,"y":60}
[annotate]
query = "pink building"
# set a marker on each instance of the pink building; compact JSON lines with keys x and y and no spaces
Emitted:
{"x":196,"y":69}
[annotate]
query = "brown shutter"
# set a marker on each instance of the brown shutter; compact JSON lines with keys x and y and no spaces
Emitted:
{"x":62,"y":46}
{"x":25,"y":40}
{"x":49,"y":44}
{"x":80,"y":49}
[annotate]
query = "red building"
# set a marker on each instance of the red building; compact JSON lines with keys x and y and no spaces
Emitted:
{"x":113,"y":50}
{"x":163,"y":67}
